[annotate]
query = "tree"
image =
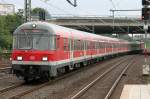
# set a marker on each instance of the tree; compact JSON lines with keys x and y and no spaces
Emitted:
{"x":8,"y":24}
{"x":37,"y":11}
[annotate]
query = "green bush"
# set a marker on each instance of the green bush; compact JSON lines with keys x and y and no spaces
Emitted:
{"x":8,"y":24}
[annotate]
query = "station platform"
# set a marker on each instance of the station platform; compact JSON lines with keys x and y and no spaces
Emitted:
{"x":135,"y":92}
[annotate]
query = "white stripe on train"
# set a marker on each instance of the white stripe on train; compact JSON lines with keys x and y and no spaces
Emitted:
{"x":54,"y":63}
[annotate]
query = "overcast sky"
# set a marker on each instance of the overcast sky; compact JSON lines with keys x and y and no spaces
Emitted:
{"x":85,"y":7}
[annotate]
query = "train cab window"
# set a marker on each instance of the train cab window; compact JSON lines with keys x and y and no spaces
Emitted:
{"x":34,"y":39}
{"x":40,"y":43}
{"x":15,"y":43}
{"x":44,"y":43}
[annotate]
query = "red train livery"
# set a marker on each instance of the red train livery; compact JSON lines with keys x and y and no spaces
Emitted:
{"x":43,"y":50}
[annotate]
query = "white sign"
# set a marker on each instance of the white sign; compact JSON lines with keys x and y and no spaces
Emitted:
{"x":145,"y":27}
{"x":6,"y":9}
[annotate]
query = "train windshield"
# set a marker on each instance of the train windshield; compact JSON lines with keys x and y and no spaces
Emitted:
{"x":37,"y":39}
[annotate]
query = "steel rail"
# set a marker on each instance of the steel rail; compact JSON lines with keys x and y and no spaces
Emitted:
{"x":5,"y":77}
{"x":81,"y":92}
{"x":10,"y":87}
{"x":117,"y":81}
{"x":5,"y":68}
{"x":47,"y":83}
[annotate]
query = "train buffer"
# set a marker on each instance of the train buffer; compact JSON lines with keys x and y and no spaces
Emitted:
{"x":136,"y":92}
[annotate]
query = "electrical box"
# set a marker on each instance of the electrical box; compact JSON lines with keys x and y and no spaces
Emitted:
{"x":146,"y":69}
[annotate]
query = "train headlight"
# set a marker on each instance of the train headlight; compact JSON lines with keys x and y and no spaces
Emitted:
{"x":44,"y":58}
{"x":34,"y":25}
{"x":19,"y":58}
{"x":10,"y":59}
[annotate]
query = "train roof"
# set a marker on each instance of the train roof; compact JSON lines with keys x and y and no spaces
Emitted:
{"x":66,"y":32}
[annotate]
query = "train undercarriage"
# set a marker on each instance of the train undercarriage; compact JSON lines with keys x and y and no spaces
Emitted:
{"x":34,"y":72}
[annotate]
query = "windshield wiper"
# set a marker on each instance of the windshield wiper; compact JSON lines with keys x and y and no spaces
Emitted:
{"x":28,"y":41}
{"x":38,"y":40}
{"x":26,"y":48}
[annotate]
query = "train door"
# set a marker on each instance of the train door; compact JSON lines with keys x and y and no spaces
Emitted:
{"x":71,"y":51}
{"x":105,"y":47}
{"x":71,"y":43}
{"x":97,"y":47}
{"x":85,"y":48}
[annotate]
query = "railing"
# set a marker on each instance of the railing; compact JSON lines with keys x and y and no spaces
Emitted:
{"x":69,"y":16}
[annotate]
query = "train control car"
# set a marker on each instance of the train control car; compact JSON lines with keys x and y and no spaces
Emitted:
{"x":44,"y":50}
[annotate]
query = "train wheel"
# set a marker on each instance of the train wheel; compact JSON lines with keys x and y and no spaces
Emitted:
{"x":67,"y":69}
{"x":77,"y":65}
{"x":85,"y":63}
{"x":70,"y":67}
{"x":26,"y":79}
{"x":46,"y":76}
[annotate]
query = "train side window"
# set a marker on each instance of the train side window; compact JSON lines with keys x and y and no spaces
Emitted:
{"x":65,"y":44}
{"x":85,"y":45}
{"x":69,"y":44}
{"x":57,"y":42}
{"x":92,"y":45}
{"x":75,"y":45}
{"x":82,"y":45}
{"x":89,"y":45}
{"x":79,"y":44}
{"x":96,"y":45}
{"x":51,"y":39}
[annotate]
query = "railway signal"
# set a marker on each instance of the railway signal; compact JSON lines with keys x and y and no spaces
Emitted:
{"x":145,"y":2}
{"x":146,"y":17}
{"x":145,"y":10}
{"x":42,"y":15}
{"x":145,"y":13}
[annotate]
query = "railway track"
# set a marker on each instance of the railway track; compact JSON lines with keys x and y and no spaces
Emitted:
{"x":7,"y":69}
{"x":13,"y":93}
{"x":117,"y":80}
{"x":81,"y":92}
{"x":5,"y":73}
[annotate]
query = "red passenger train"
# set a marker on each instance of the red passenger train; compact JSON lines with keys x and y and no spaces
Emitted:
{"x":43,"y":50}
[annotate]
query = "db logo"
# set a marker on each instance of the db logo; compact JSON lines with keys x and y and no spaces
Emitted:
{"x":32,"y":58}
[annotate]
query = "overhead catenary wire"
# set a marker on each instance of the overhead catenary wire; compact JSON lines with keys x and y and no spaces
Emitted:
{"x":73,"y":4}
{"x":76,"y":15}
{"x":80,"y":26}
{"x":114,"y":6}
